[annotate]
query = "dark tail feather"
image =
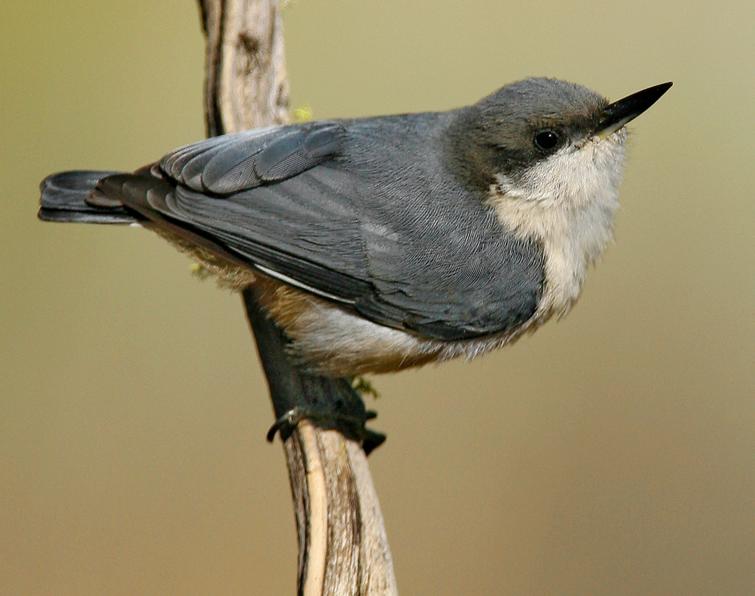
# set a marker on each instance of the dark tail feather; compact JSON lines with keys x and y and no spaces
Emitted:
{"x":64,"y":200}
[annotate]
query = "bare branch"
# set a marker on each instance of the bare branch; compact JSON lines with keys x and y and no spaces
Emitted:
{"x":343,"y":548}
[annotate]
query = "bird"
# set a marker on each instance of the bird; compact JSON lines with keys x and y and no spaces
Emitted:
{"x":387,"y":242}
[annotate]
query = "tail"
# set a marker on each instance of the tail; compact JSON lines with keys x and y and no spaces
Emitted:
{"x":64,"y":199}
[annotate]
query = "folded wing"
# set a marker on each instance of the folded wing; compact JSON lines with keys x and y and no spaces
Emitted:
{"x":360,"y":230}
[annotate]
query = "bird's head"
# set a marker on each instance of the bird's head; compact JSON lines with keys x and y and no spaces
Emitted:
{"x":547,"y":140}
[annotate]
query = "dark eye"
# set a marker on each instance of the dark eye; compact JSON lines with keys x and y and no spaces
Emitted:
{"x":547,"y":140}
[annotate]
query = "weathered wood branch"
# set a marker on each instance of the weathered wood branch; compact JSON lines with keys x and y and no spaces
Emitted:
{"x":343,"y":548}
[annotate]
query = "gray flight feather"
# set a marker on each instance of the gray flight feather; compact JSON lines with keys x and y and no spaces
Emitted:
{"x":64,"y":199}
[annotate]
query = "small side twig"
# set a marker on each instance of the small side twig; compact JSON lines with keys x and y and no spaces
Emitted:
{"x":343,"y":547}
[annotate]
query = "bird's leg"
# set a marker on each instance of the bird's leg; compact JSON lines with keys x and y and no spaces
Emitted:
{"x":329,"y":403}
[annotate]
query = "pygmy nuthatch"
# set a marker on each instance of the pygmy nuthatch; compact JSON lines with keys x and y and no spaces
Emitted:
{"x":388,"y":242}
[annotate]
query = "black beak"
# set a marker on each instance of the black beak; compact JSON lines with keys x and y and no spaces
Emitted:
{"x":620,"y":112}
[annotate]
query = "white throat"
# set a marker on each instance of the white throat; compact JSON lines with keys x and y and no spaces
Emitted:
{"x":567,"y":203}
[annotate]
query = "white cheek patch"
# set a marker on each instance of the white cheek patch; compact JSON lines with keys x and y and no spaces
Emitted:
{"x":566,"y":203}
{"x":573,"y":176}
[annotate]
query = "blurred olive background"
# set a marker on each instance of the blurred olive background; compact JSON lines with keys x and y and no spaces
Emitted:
{"x":609,"y":454}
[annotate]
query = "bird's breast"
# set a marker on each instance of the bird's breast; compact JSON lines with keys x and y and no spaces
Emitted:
{"x":572,"y":238}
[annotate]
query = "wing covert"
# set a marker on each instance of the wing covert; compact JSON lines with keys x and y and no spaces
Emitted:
{"x":241,"y":161}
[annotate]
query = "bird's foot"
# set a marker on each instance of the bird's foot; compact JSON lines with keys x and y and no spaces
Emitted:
{"x":350,"y":426}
